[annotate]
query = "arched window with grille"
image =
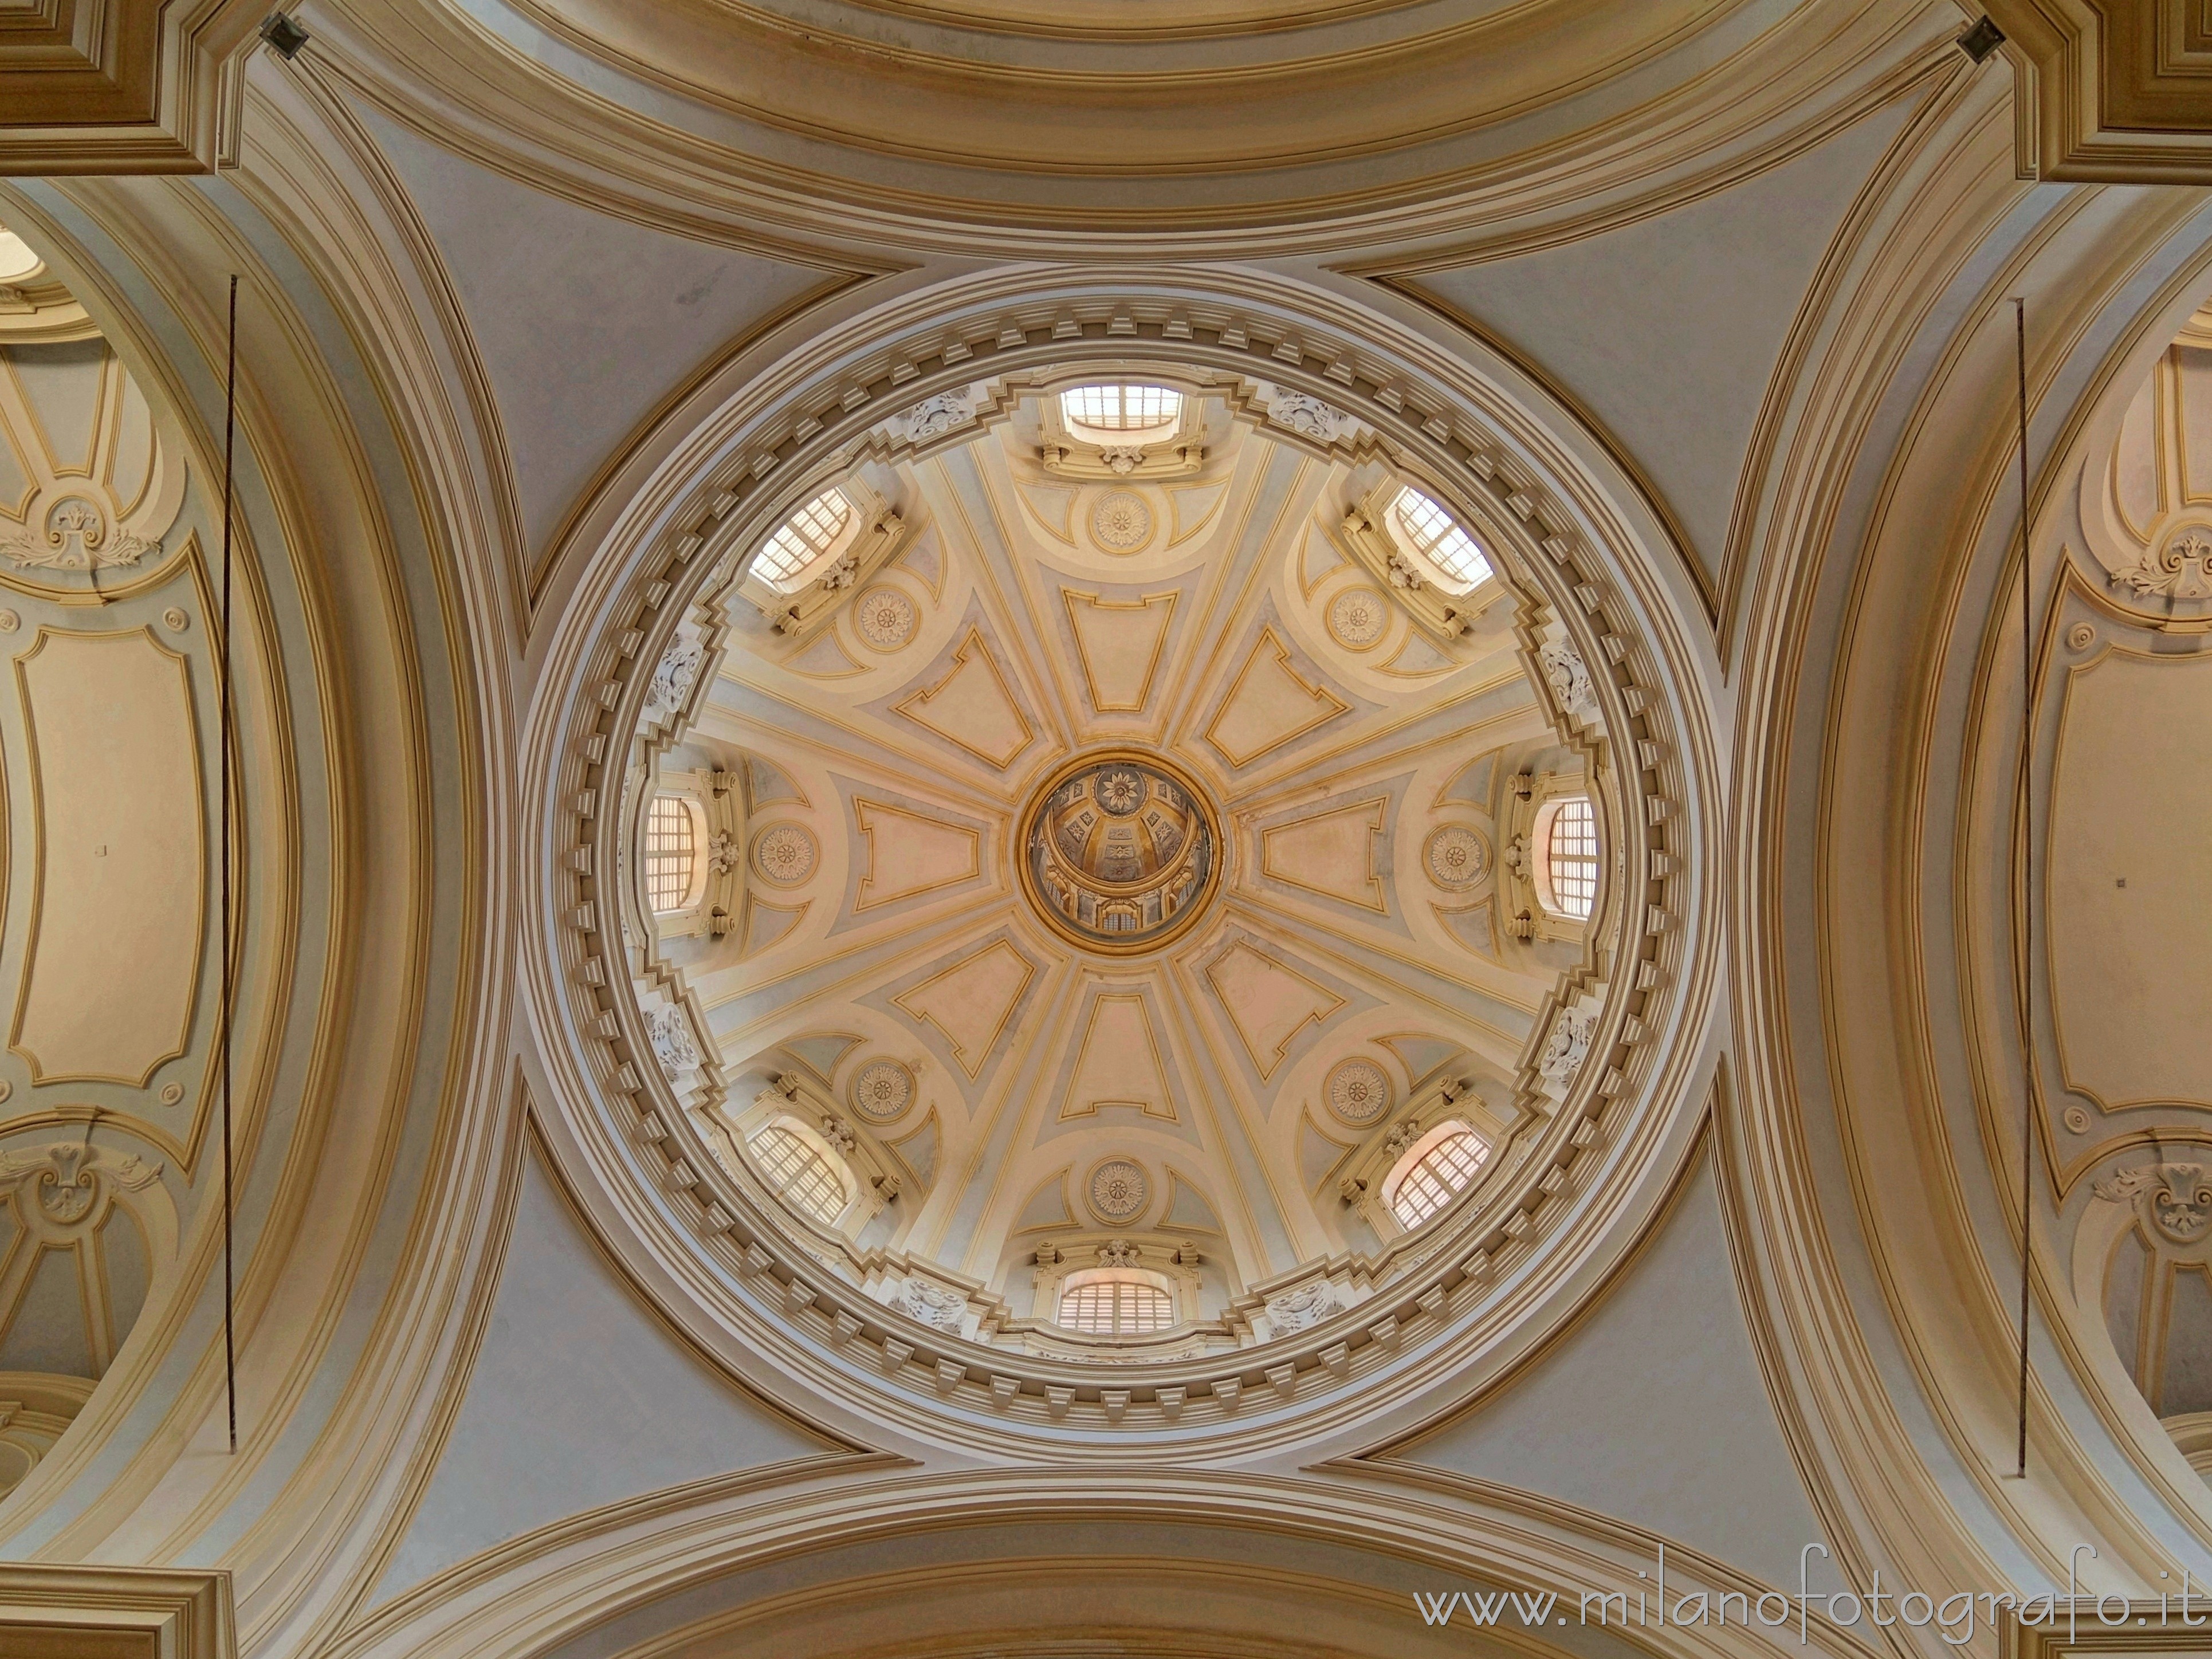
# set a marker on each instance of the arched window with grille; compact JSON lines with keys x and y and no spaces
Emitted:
{"x":1114,"y":1302}
{"x":1435,"y":1170}
{"x":1120,"y":409}
{"x":1430,"y":531}
{"x":802,"y":1172}
{"x":673,"y":872}
{"x":804,"y":540}
{"x":1567,"y":861}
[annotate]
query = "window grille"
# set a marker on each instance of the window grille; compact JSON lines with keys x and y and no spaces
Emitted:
{"x":801,"y":1174}
{"x":672,"y":854}
{"x":1121,"y":407}
{"x":804,"y":536}
{"x":1100,"y":1306}
{"x":1570,"y":857}
{"x":1439,"y":1174}
{"x":1438,"y":540}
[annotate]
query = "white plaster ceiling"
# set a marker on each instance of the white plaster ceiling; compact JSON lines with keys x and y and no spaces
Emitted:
{"x":906,"y":753}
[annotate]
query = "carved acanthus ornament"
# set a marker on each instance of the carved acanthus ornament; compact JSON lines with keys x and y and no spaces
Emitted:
{"x":2175,"y":1198}
{"x":1308,"y":417}
{"x":933,"y":417}
{"x":2181,"y":570}
{"x":76,"y":537}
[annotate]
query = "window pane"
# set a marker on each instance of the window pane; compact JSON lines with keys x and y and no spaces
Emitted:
{"x":1443,"y":1171}
{"x":804,"y":536}
{"x":1570,"y":857}
{"x":802,"y":1174}
{"x":1121,"y":407}
{"x":1440,"y":541}
{"x":670,"y":854}
{"x":1098,"y":1305}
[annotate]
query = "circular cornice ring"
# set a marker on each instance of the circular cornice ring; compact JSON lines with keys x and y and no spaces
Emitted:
{"x":1074,"y":895}
{"x":1463,"y":1296}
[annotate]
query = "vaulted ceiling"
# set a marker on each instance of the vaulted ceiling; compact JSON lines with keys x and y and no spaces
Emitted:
{"x":1697,"y":312}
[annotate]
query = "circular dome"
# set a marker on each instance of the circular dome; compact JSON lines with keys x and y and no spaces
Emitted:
{"x":1118,"y":852}
{"x":1319,"y":1007}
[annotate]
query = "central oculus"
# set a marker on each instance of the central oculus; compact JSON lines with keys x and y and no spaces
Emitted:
{"x":1120,"y":852}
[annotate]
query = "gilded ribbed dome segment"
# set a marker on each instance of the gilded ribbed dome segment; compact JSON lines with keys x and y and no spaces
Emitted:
{"x":1120,"y":852}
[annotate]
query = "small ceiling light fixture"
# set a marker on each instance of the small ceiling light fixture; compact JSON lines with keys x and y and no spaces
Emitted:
{"x":1981,"y":41}
{"x":284,"y":34}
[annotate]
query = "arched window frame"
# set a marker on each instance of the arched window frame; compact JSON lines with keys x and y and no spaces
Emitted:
{"x":1415,"y":1155}
{"x":801,"y":601}
{"x":1531,"y":912}
{"x":694,"y":811}
{"x":779,"y":568}
{"x":1551,"y":822}
{"x":1443,"y":603}
{"x":1089,"y":1277}
{"x":855,"y":1209}
{"x":1414,"y":517}
{"x":1078,"y":449}
{"x":1133,"y":400}
{"x":1169,"y":1261}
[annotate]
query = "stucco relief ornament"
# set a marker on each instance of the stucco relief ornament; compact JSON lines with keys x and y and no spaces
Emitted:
{"x":1402,"y":1135}
{"x":1357,"y":619}
{"x":1118,"y":1189}
{"x":1457,"y":856}
{"x":843,"y":574}
{"x":882,"y":1090}
{"x":1310,"y":417}
{"x":1402,"y":574}
{"x":1308,"y":1305}
{"x":1122,"y":523}
{"x":933,"y":417}
{"x":1568,"y":1047}
{"x":76,"y":538}
{"x":1358,"y":1092}
{"x":669,"y":1030}
{"x":1121,"y":459}
{"x":932,"y":1305}
{"x":2180,"y":1196}
{"x":722,"y":854}
{"x":1569,"y":677}
{"x":1118,"y":1253}
{"x":784,"y":853}
{"x":884,"y":618}
{"x":677,"y":672}
{"x":64,"y":1177}
{"x":2182,"y":571}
